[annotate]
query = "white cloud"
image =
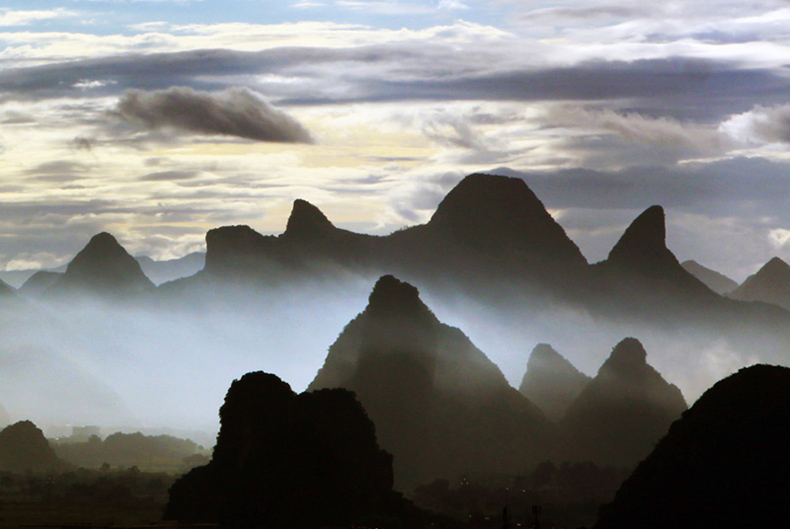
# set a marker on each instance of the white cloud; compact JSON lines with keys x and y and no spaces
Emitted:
{"x":9,"y":18}
{"x":759,"y":125}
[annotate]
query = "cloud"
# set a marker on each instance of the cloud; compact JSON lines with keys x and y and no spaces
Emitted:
{"x":236,"y":112}
{"x":451,"y":5}
{"x":9,"y":17}
{"x":760,"y":125}
{"x":168,"y":176}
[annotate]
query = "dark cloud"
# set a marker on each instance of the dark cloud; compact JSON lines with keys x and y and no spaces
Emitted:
{"x":81,"y":143}
{"x":752,"y":188}
{"x":58,"y":171}
{"x":234,"y":112}
{"x":684,"y":88}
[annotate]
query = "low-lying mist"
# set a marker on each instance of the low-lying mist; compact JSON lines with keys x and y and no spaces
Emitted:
{"x":167,"y":364}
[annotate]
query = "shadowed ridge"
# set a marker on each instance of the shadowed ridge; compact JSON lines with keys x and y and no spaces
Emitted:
{"x":307,"y":222}
{"x":717,"y":282}
{"x":551,"y":381}
{"x":105,"y":268}
{"x":499,"y":213}
{"x":440,"y":405}
{"x":771,"y":284}
{"x":623,"y":411}
{"x":723,"y":464}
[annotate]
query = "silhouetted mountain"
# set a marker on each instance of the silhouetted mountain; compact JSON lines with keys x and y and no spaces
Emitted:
{"x":287,"y":460}
{"x":104,"y":268}
{"x":502,"y":217}
{"x":307,"y":222}
{"x":439,"y":404}
{"x":719,"y":283}
{"x":24,"y":448}
{"x":491,"y":229}
{"x":623,"y":411}
{"x":161,"y":271}
{"x":551,"y":381}
{"x":723,"y":465}
{"x":40,"y":282}
{"x":771,"y":284}
{"x":642,"y":276}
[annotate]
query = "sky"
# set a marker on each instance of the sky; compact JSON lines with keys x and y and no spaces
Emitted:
{"x":158,"y":120}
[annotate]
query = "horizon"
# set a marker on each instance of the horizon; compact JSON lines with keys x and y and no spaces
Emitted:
{"x":372,"y":111}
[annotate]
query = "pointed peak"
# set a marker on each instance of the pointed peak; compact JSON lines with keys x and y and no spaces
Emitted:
{"x":544,"y":355}
{"x":775,"y":266}
{"x":101,"y":247}
{"x":645,"y":236}
{"x":105,"y":267}
{"x":391,"y":296}
{"x":307,"y":221}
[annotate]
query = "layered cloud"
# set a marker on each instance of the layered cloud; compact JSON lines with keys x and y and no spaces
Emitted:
{"x":235,"y":112}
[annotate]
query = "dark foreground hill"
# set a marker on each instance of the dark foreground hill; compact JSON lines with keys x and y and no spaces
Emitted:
{"x":439,"y":404}
{"x":23,"y":448}
{"x":288,"y":460}
{"x":619,"y":416}
{"x":723,"y":465}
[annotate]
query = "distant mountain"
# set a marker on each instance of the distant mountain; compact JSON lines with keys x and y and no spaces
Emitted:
{"x":623,"y":411}
{"x":439,"y":404}
{"x":40,"y":282}
{"x":487,"y":232}
{"x":168,"y":270}
{"x":715,"y":281}
{"x":284,"y":460}
{"x":724,"y":464}
{"x":23,"y":448}
{"x":771,"y":284}
{"x":103,"y":268}
{"x":641,"y":275}
{"x":551,"y":381}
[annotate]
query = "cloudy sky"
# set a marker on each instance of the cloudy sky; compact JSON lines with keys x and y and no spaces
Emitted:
{"x":157,"y":120}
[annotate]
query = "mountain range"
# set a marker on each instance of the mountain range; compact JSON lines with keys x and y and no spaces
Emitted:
{"x":439,"y":404}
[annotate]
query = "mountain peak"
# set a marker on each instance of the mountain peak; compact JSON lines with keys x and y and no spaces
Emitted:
{"x":307,"y":221}
{"x":391,"y":296}
{"x":771,"y":284}
{"x":104,"y":267}
{"x":500,"y":214}
{"x":551,"y":381}
{"x":627,"y":356}
{"x":776,"y":266}
{"x":645,"y":238}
